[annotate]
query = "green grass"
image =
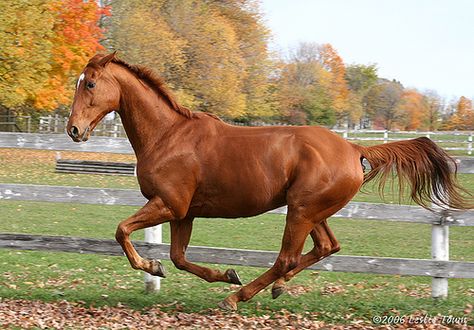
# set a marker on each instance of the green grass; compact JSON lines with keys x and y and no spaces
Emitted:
{"x":102,"y":280}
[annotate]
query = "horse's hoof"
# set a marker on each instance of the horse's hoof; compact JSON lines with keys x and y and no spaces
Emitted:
{"x":278,"y":291}
{"x":157,"y":269}
{"x":233,"y":276}
{"x":227,"y":305}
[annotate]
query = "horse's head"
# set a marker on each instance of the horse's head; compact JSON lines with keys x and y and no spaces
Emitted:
{"x":97,"y":93}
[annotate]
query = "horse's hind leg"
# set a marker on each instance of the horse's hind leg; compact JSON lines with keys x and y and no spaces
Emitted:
{"x":325,"y":244}
{"x":153,"y":213}
{"x":180,"y":236}
{"x":298,"y":226}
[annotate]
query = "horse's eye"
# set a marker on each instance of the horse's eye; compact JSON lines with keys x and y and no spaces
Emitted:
{"x":90,"y":85}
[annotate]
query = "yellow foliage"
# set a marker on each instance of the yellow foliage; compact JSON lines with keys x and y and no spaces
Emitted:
{"x":25,"y":45}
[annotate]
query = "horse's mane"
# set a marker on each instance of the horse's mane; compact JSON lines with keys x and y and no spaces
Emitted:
{"x":157,"y":83}
{"x":154,"y":81}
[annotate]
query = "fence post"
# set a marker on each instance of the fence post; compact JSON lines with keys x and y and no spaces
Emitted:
{"x":385,"y":136}
{"x":469,"y":144}
{"x":56,"y":123}
{"x":440,"y":251}
{"x":153,"y":235}
{"x":50,"y":123}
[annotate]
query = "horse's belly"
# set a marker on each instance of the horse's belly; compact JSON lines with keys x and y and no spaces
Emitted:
{"x":236,"y":203}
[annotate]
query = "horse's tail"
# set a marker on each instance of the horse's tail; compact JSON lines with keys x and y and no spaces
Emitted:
{"x":429,"y":171}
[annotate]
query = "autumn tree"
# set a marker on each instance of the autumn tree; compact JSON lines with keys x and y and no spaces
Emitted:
{"x":76,"y":38}
{"x":43,"y":46}
{"x":303,"y":94}
{"x":383,"y":101}
{"x":212,"y":53}
{"x":139,"y":31}
{"x":413,"y":110}
{"x":215,"y":68}
{"x":360,"y":78}
{"x":463,"y":117}
{"x":246,"y":18}
{"x":304,"y":88}
{"x":435,"y":106}
{"x":26,"y":31}
{"x":333,"y":63}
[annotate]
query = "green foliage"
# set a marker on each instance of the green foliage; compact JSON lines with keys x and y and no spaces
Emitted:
{"x":308,"y":87}
{"x":360,"y":77}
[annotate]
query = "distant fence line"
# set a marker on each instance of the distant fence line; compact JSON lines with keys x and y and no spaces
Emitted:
{"x":112,"y":126}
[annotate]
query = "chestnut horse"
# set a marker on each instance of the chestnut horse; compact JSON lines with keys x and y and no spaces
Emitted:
{"x":192,"y":164}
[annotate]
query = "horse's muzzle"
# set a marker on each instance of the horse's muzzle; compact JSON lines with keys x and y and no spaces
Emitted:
{"x":76,"y":135}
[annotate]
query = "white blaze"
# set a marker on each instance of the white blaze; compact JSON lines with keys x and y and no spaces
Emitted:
{"x":81,"y":78}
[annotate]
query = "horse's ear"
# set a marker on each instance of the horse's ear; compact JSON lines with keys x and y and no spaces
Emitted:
{"x":107,"y":59}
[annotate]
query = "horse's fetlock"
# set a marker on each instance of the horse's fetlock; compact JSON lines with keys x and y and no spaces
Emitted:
{"x":135,"y":266}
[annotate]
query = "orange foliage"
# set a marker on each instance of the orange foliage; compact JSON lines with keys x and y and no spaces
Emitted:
{"x":333,"y":63}
{"x":76,"y":38}
{"x":463,"y":118}
{"x":414,"y":108}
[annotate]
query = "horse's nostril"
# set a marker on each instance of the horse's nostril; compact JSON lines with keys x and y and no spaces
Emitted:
{"x":74,"y":132}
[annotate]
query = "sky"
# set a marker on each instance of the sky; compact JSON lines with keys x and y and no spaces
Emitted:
{"x":425,"y":44}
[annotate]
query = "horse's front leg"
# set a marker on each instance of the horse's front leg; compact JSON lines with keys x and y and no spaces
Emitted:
{"x":180,"y":236}
{"x":154,"y":212}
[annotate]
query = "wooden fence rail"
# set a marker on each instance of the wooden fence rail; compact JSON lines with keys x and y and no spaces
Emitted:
{"x":438,"y":269}
{"x":94,"y":167}
{"x":121,"y":145}
{"x":130,"y":197}
{"x":213,"y":255}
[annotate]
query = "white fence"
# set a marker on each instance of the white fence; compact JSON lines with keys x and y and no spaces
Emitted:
{"x":448,"y":140}
{"x":111,"y":126}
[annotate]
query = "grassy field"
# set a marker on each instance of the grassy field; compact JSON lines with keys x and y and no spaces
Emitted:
{"x":99,"y":280}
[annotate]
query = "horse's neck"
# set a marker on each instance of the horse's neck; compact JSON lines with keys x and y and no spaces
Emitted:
{"x":146,"y":117}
